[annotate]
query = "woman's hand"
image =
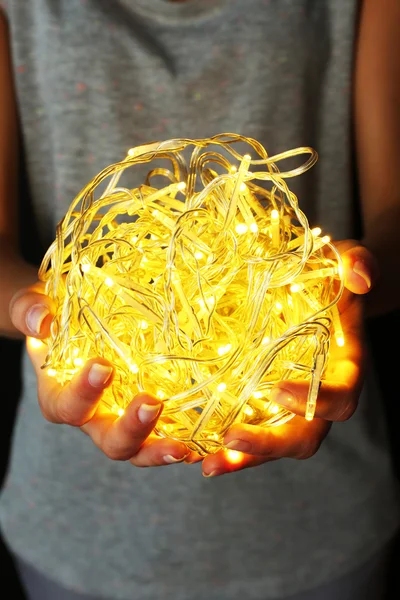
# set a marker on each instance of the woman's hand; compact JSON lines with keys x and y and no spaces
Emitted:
{"x":338,"y":395}
{"x":129,"y":437}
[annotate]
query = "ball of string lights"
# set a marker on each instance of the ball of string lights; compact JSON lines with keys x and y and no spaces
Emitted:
{"x":203,"y":284}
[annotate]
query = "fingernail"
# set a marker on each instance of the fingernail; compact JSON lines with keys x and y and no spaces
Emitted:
{"x":170,"y":460}
{"x":360,"y":269}
{"x":240,"y":445}
{"x":148,"y":412}
{"x":35,"y":317}
{"x":283,"y":397}
{"x":99,"y":375}
{"x":214,"y":473}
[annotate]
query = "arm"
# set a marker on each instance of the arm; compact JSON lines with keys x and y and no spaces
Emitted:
{"x":14,"y":272}
{"x":377,"y":133}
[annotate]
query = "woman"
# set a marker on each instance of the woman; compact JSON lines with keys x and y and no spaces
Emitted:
{"x":93,"y":79}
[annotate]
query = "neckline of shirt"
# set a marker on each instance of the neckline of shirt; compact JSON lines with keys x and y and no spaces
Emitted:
{"x":176,"y":13}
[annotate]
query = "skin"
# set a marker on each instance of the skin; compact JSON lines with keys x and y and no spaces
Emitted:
{"x":130,"y":437}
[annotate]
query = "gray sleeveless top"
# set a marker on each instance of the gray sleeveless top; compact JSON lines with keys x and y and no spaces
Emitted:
{"x":94,"y":78}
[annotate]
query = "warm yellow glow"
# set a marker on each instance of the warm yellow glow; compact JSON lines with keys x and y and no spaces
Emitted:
{"x":241,"y":228}
{"x":234,"y":457}
{"x":339,"y":340}
{"x":224,"y":349}
{"x":35,"y":343}
{"x":186,"y":284}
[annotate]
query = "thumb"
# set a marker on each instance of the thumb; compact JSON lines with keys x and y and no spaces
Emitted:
{"x":31,"y":312}
{"x":360,"y":268}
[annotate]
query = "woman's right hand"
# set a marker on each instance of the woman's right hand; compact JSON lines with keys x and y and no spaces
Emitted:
{"x":129,"y":437}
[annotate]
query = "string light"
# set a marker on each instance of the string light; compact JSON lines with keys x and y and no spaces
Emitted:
{"x":204,"y":286}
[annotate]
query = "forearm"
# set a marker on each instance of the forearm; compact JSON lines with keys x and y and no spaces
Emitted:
{"x":15,"y":274}
{"x":377,"y":137}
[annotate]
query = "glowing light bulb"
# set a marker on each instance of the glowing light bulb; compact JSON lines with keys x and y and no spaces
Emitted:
{"x":254,"y":227}
{"x":85,"y":268}
{"x":78,"y":362}
{"x":266,"y":340}
{"x":108,"y":281}
{"x":241,"y":228}
{"x":234,"y":457}
{"x":278,"y":306}
{"x":224,"y":349}
{"x":274,"y":409}
{"x":181,"y":186}
{"x":221,"y":387}
{"x":160,"y":394}
{"x":120,"y":412}
{"x":257,"y":394}
{"x":133,"y":368}
{"x":144,"y":325}
{"x":51,"y":372}
{"x":248,"y":410}
{"x":339,"y":339}
{"x":35,"y":343}
{"x":296,"y":287}
{"x":198,"y":255}
{"x":316,"y":231}
{"x":275,"y":228}
{"x":243,"y":187}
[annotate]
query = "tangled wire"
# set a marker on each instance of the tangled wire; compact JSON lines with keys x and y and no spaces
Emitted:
{"x":204,"y":286}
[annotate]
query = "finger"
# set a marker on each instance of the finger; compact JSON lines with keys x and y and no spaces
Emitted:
{"x":360,"y":269}
{"x":297,"y":439}
{"x":121,"y":438}
{"x":157,"y":451}
{"x":31,"y":313}
{"x":193,"y":457}
{"x":75,"y":403}
{"x":230,"y":461}
{"x":337,"y":400}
